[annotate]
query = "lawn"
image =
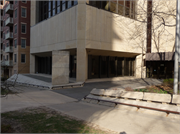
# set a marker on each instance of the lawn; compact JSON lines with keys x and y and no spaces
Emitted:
{"x":43,"y":120}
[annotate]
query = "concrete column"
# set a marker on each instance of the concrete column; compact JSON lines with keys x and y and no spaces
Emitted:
{"x":140,"y":70}
{"x":32,"y":63}
{"x":82,"y":58}
{"x":60,"y":67}
{"x":82,"y":61}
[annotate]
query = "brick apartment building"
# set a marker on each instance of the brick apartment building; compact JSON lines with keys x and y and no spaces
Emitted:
{"x":15,"y":37}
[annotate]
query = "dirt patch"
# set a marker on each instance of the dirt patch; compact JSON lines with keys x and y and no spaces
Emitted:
{"x":11,"y":126}
{"x":160,"y":89}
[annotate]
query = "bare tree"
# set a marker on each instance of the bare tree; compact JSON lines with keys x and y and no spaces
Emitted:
{"x":10,"y":87}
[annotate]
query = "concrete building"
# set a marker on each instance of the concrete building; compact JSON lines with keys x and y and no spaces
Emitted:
{"x":86,"y":39}
{"x":161,"y":41}
{"x":15,"y":37}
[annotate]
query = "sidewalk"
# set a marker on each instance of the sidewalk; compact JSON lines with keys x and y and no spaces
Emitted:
{"x":106,"y":117}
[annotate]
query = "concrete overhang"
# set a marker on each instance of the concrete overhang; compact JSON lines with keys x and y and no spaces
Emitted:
{"x":111,"y":53}
{"x":162,"y":56}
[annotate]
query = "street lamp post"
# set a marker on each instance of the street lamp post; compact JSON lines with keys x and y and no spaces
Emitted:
{"x":177,"y":44}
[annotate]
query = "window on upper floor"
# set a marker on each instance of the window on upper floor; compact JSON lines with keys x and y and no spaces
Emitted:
{"x":53,"y":7}
{"x":23,"y":58}
{"x":64,"y":5}
{"x":15,"y":58}
{"x":15,"y":29}
{"x":125,"y":7}
{"x":23,"y":12}
{"x":69,"y":3}
{"x":3,"y":47}
{"x":23,"y":43}
{"x":23,"y":28}
{"x":50,"y":8}
{"x":7,"y":44}
{"x":24,"y":1}
{"x":15,"y":13}
{"x":7,"y":57}
{"x":15,"y":43}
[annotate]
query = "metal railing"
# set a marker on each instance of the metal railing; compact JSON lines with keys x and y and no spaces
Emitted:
{"x":7,"y":63}
{"x":9,"y":7}
{"x":9,"y":20}
{"x":9,"y":49}
{"x":9,"y":35}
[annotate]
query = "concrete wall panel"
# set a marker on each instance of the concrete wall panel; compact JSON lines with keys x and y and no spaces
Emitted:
{"x":59,"y":29}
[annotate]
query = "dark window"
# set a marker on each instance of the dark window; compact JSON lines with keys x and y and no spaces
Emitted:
{"x":3,"y":47}
{"x":58,"y":3}
{"x":3,"y":35}
{"x":23,"y":12}
{"x":24,"y":1}
{"x":125,"y":7}
{"x":23,"y":58}
{"x":69,"y":3}
{"x":15,"y":43}
{"x":58,"y":9}
{"x":23,"y":28}
{"x":15,"y":1}
{"x":15,"y":29}
{"x":58,"y":6}
{"x":7,"y":44}
{"x":15,"y":58}
{"x":75,"y":2}
{"x":15,"y":13}
{"x":23,"y":43}
{"x":54,"y":4}
{"x":54,"y":12}
{"x":63,"y":5}
{"x":50,"y":8}
{"x":7,"y":57}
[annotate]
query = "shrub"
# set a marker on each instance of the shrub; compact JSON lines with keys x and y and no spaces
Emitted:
{"x":168,"y":82}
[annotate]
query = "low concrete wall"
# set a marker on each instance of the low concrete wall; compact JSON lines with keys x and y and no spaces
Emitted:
{"x":60,"y":67}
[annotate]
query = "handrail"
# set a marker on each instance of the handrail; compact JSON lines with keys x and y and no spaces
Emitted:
{"x":138,"y":106}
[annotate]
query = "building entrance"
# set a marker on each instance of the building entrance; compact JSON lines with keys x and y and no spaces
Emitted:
{"x":108,"y":66}
{"x":160,"y":69}
{"x":44,"y":65}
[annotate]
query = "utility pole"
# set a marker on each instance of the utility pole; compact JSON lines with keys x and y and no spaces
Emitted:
{"x":177,"y":44}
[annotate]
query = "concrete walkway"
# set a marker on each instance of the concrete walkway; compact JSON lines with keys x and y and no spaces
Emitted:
{"x":40,"y":80}
{"x":118,"y":120}
{"x":79,"y":93}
